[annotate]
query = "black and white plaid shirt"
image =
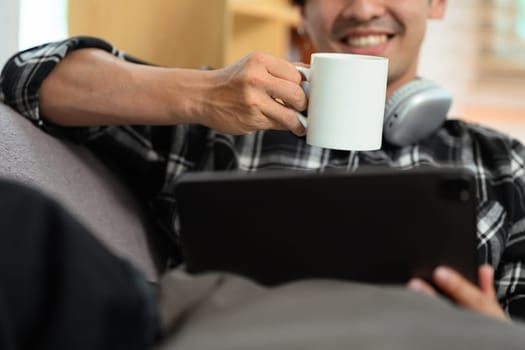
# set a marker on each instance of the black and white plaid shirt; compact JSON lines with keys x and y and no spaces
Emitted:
{"x":151,"y":158}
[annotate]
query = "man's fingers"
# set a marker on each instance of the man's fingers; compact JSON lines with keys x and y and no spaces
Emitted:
{"x":283,"y":117}
{"x":420,"y":286}
{"x":468,"y":295}
{"x":457,"y":287}
{"x":486,"y":280}
{"x":291,"y":94}
{"x":283,"y":69}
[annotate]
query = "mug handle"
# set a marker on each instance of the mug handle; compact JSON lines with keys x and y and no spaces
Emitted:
{"x":305,"y":84}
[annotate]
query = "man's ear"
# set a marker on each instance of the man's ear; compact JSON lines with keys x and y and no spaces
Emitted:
{"x":437,"y":9}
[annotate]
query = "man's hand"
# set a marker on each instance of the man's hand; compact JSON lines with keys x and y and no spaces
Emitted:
{"x":481,"y":299}
{"x":259,"y":92}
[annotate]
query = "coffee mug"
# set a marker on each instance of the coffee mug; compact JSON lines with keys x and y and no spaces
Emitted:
{"x":346,"y":104}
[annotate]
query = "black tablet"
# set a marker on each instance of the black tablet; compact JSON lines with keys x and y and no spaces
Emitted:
{"x":375,"y":225}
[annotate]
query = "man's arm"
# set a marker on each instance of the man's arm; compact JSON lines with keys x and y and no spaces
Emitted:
{"x":93,"y":87}
{"x":89,"y":86}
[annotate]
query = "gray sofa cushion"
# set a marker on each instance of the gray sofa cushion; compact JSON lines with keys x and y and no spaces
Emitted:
{"x":73,"y":176}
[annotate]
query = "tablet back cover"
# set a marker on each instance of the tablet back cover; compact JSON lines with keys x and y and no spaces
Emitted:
{"x":379,"y":226}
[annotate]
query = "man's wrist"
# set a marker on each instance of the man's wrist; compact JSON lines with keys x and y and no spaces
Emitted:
{"x":185,"y":95}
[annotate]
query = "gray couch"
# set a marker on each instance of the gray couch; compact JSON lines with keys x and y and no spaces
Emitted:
{"x":73,"y":176}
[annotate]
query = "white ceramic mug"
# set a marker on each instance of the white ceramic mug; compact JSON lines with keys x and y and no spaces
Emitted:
{"x":346,"y":101}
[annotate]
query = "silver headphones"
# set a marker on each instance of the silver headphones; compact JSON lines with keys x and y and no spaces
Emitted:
{"x":414,"y":111}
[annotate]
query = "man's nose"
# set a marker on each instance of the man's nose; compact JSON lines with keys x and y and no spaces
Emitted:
{"x":364,"y":10}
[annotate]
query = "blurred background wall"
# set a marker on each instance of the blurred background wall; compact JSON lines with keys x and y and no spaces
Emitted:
{"x":26,"y":23}
{"x":9,"y":28}
{"x":478,"y":52}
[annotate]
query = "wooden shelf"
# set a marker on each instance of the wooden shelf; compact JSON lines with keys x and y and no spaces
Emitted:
{"x":186,"y":33}
{"x":268,"y":11}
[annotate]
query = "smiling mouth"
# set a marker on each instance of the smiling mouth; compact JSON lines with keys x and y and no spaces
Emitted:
{"x":365,"y":41}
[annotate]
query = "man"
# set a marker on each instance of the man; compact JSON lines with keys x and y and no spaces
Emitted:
{"x":93,"y":84}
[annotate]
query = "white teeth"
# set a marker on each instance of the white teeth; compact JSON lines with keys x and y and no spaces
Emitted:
{"x":369,"y":40}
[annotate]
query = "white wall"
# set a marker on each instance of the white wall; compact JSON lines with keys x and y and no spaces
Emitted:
{"x":9,"y":20}
{"x":450,"y":56}
{"x":26,"y":23}
{"x":450,"y":48}
{"x":42,"y":21}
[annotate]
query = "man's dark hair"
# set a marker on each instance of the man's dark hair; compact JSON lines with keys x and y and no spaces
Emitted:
{"x":298,"y":2}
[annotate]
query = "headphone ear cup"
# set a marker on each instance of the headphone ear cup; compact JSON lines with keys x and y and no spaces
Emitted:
{"x":402,"y":93}
{"x":414,"y":111}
